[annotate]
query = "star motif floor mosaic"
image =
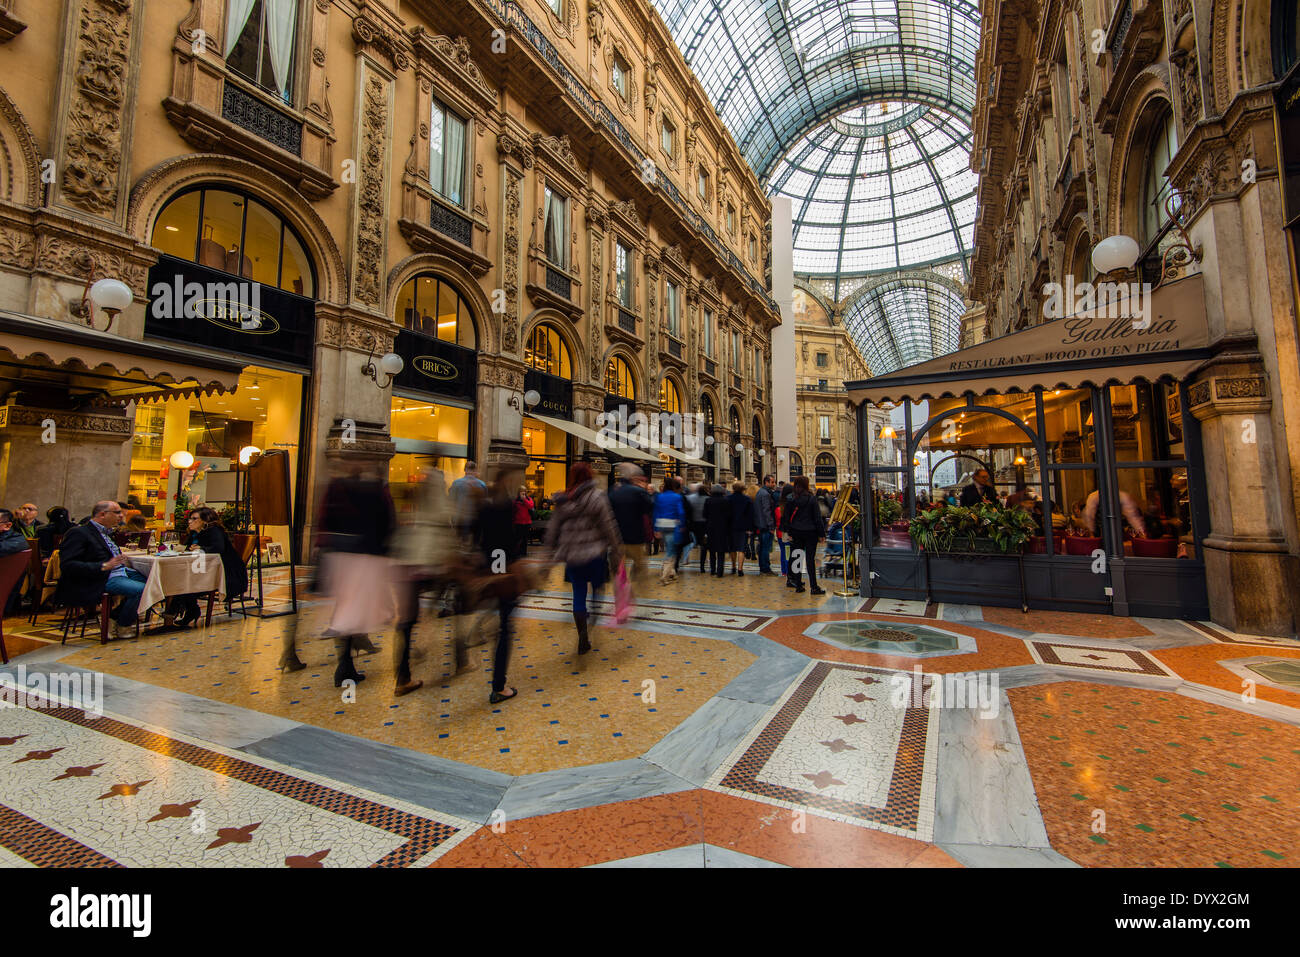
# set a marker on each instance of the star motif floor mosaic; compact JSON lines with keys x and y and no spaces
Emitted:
{"x":727,"y":723}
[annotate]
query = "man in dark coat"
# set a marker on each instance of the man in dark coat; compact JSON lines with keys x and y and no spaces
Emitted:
{"x":717,"y":518}
{"x":980,"y":490}
{"x":804,"y":523}
{"x":742,"y":522}
{"x":90,"y":564}
{"x":632,"y":506}
{"x":765,"y":522}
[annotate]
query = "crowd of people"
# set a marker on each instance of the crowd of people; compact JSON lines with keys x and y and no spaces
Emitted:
{"x":465,"y":545}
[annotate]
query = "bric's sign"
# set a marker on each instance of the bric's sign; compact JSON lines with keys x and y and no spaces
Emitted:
{"x":435,"y":368}
{"x":234,"y":305}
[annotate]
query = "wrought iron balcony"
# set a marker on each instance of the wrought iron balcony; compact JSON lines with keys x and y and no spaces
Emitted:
{"x":626,"y":320}
{"x":451,"y":225}
{"x":710,"y":367}
{"x":558,"y":283}
{"x":674,"y":347}
{"x":250,"y":113}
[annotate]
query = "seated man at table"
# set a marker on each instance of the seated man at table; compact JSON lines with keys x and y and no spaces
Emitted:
{"x":11,"y":539}
{"x":25,"y":520}
{"x":91,"y":564}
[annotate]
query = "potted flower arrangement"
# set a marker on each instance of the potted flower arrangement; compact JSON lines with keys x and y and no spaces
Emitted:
{"x":979,"y":528}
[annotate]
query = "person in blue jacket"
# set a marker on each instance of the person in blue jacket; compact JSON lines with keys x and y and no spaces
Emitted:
{"x":669,"y":521}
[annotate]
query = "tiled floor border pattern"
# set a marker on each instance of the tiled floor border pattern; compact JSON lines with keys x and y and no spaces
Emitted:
{"x":908,"y":787}
{"x":43,"y":846}
{"x":422,"y":834}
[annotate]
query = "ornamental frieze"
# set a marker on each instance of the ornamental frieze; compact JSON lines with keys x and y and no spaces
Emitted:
{"x":367,"y":281}
{"x":1248,"y":387}
{"x":92,"y":144}
{"x":380,"y":39}
{"x":450,"y":56}
{"x":510,"y":145}
{"x":16,"y":415}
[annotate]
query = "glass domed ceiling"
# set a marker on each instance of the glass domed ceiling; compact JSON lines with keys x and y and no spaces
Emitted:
{"x":879,"y":187}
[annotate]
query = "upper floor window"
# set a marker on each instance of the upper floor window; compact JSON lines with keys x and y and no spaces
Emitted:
{"x":702,"y":184}
{"x":447,"y":161}
{"x":758,"y":364}
{"x":618,"y":379}
{"x":753,"y":248}
{"x":673,"y":309}
{"x":735,"y":350}
{"x":731,"y":219}
{"x":668,"y":137}
{"x":618,"y":75}
{"x":260,"y":40}
{"x":557,"y":7}
{"x":824,"y":428}
{"x":670,"y":400}
{"x":623,"y":274}
{"x":234,"y":233}
{"x":1156,"y":188}
{"x":427,"y":305}
{"x":823,"y":359}
{"x":546,"y":351}
{"x":706,"y":334}
{"x":557,"y":228}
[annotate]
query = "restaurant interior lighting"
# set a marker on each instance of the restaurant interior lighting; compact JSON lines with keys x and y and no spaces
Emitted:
{"x":887,"y":432}
{"x":1018,"y":460}
{"x":247,"y":452}
{"x":181,"y":459}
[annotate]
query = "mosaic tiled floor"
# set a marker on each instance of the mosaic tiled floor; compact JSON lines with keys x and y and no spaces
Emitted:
{"x":730,"y":722}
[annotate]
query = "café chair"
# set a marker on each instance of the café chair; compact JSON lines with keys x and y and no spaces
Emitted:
{"x":1080,"y":545}
{"x":35,"y":580}
{"x":1155,"y":547}
{"x":12,"y":568}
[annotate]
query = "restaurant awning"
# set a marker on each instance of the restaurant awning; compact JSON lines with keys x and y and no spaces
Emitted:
{"x":590,"y":436}
{"x":124,"y":369}
{"x":1089,"y":347}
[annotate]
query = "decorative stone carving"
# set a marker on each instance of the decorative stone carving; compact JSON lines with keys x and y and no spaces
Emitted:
{"x":1249,"y":387}
{"x":510,"y":145}
{"x":15,"y":416}
{"x":10,"y":25}
{"x":651,"y":87}
{"x":1188,"y":76}
{"x":595,"y":314}
{"x":372,"y":191}
{"x":596,"y":23}
{"x":558,"y":150}
{"x":510,"y":262}
{"x":17,"y":250}
{"x":356,"y":333}
{"x":1198,"y":393}
{"x":92,"y":145}
{"x":380,"y":39}
{"x":673,"y":253}
{"x":453,"y":54}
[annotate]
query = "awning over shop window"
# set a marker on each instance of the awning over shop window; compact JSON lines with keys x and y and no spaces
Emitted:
{"x":126,"y":369}
{"x":591,"y":437}
{"x":1085,"y":348}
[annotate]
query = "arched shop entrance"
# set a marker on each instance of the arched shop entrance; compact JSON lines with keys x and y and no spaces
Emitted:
{"x":550,"y":374}
{"x":234,"y":278}
{"x":434,"y":394}
{"x":670,"y":403}
{"x":707,"y":414}
{"x":825,"y":474}
{"x":734,"y":460}
{"x":796,"y":464}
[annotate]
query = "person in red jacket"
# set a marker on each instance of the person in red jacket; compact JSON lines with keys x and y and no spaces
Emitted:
{"x":523,"y":520}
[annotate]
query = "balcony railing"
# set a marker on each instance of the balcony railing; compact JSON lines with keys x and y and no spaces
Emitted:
{"x":247,"y":111}
{"x":737,"y":382}
{"x":510,"y":13}
{"x":674,"y":347}
{"x":710,"y":367}
{"x":1125,"y":21}
{"x":558,"y":283}
{"x":626,"y":320}
{"x":452,"y":226}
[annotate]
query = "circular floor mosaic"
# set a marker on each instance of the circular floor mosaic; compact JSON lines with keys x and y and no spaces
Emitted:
{"x":888,"y":636}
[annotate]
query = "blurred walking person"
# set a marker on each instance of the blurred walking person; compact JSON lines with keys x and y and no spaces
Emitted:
{"x":582,"y":533}
{"x":742,"y":522}
{"x":805,"y":525}
{"x":717,"y":519}
{"x":632,"y":506}
{"x":494,"y":535}
{"x":426,"y":551}
{"x":523,"y":519}
{"x":670,"y":520}
{"x":699,"y":494}
{"x":356,"y":523}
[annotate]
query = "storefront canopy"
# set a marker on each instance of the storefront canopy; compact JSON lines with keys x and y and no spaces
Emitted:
{"x":116,"y":365}
{"x":1090,"y":346}
{"x":591,"y":437}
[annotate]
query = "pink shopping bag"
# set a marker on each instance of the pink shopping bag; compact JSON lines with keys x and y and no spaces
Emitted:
{"x":623,"y":604}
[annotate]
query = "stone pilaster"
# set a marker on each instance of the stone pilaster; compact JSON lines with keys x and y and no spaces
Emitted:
{"x":72,"y":459}
{"x":1251,"y":578}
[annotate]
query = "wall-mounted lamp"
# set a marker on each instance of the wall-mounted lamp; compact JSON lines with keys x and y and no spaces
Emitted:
{"x":181,"y":459}
{"x":1182,"y":253}
{"x":247,"y":454}
{"x":529,"y":398}
{"x":1115,"y":252}
{"x":110,"y":295}
{"x":390,"y":365}
{"x":1019,"y":460}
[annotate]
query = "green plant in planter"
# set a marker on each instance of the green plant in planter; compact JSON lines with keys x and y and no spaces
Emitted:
{"x":925,"y":528}
{"x":891,"y":510}
{"x":1013,"y":528}
{"x":983,"y":527}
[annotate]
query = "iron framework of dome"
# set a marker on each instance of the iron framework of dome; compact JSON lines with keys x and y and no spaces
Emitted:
{"x":859,"y":111}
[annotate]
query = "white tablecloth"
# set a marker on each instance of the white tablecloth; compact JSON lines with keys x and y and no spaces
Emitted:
{"x":178,"y":575}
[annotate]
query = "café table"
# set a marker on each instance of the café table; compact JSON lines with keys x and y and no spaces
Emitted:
{"x":183,"y":573}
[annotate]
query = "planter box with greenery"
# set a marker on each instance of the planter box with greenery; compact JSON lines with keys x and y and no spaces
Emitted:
{"x":984,"y":528}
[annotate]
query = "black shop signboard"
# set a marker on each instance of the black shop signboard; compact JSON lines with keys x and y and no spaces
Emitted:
{"x":197,"y":306}
{"x":556,"y":394}
{"x":436,"y":367}
{"x":824,"y":473}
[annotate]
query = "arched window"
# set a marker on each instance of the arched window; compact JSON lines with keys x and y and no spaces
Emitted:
{"x":432,"y":307}
{"x":1081,"y":265}
{"x":1286,"y":36}
{"x":670,"y":400}
{"x":826,"y":460}
{"x":707,"y":415}
{"x":1156,"y":189}
{"x":546,"y":352}
{"x":260,"y":40}
{"x":796,"y":463}
{"x":734,"y":421}
{"x":758,"y":432}
{"x":618,"y":379}
{"x":230,"y":231}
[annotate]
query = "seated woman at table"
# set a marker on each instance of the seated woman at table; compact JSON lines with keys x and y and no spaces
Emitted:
{"x":207,"y":535}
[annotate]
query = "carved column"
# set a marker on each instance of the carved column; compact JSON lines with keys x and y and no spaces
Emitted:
{"x":598,"y":227}
{"x":652,"y":320}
